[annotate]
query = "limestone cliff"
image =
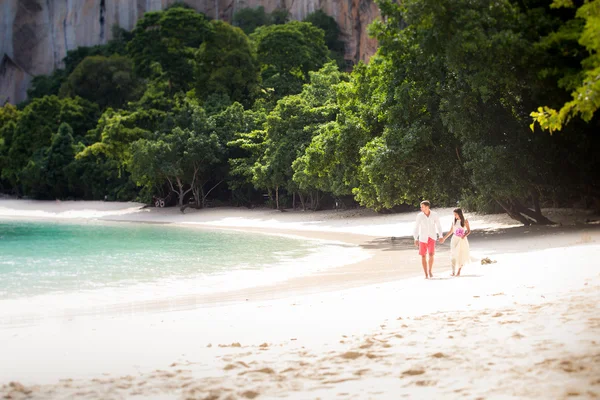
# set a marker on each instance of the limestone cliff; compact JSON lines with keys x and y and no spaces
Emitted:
{"x":36,"y":34}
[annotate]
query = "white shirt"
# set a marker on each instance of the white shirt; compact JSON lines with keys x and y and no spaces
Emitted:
{"x":427,"y":227}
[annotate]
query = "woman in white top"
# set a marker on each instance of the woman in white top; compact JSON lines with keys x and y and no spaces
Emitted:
{"x":459,"y":244}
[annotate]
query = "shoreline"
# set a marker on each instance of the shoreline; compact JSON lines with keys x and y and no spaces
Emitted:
{"x":375,"y":266}
{"x":374,"y":329}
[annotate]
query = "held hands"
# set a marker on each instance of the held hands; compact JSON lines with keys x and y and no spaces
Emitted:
{"x":417,"y":243}
{"x":442,"y":240}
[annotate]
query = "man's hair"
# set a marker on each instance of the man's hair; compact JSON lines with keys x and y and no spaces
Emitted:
{"x":426,"y":202}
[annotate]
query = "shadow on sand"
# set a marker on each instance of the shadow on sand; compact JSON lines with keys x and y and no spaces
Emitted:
{"x":505,"y":240}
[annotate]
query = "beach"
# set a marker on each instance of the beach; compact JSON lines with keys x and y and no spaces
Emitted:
{"x":525,"y":325}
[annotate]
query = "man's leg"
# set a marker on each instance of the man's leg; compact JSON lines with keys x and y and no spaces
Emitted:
{"x":431,"y":251}
{"x":424,"y":263}
{"x":430,"y":265}
{"x":423,"y":254}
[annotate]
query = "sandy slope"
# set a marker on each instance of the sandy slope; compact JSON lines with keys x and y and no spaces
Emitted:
{"x":527,"y":326}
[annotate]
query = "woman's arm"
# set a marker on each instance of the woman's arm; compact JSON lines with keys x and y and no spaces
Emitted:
{"x":468,"y":232}
{"x":449,"y":233}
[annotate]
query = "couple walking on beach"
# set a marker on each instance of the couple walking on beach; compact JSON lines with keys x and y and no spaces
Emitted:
{"x":427,"y":229}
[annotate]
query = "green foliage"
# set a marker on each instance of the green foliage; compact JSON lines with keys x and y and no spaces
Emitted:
{"x":586,"y":92}
{"x":183,"y":153}
{"x":248,"y":19}
{"x":463,"y":76}
{"x":9,"y":116}
{"x":60,"y":155}
{"x":441,"y":111}
{"x":336,"y":46}
{"x":106,"y":81}
{"x":247,"y":145}
{"x":289,"y":129}
{"x":280,"y":16}
{"x":32,"y":132}
{"x":227,"y":65}
{"x":288,"y":53}
{"x":50,"y":172}
{"x":169,"y":38}
{"x":115,"y":132}
{"x":48,"y":85}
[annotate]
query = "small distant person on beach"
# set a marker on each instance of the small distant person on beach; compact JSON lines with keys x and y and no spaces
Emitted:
{"x":460,"y":253}
{"x":427,"y":230}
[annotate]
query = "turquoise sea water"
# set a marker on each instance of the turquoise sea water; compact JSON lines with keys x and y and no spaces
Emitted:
{"x":50,"y":257}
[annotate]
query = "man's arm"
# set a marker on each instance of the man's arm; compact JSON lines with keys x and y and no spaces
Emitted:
{"x":416,"y":230}
{"x":438,"y":226}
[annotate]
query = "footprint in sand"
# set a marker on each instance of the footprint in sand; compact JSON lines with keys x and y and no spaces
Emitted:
{"x":413,"y":372}
{"x":265,"y":371}
{"x":425,"y":383}
{"x":236,"y":344}
{"x":351,"y":355}
{"x":361,"y":372}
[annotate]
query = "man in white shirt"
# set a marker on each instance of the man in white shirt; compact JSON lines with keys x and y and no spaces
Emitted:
{"x":427,"y":229}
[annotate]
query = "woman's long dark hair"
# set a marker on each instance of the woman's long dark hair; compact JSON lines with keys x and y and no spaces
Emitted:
{"x":460,"y":214}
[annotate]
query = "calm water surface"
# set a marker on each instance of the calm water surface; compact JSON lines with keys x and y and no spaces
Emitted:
{"x":50,"y":257}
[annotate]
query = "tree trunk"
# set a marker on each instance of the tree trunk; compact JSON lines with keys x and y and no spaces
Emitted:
{"x":180,"y":193}
{"x":537,"y":217}
{"x":294,"y":201}
{"x":514,"y":215}
{"x":317,"y":201}
{"x":197,"y":198}
{"x":535,"y":196}
{"x":526,"y":216}
{"x":277,"y":196}
{"x":302,"y":202}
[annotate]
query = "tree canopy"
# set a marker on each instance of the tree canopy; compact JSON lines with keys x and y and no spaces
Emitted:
{"x":193,"y":110}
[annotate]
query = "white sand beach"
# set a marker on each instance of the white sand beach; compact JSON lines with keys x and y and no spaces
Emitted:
{"x":526,"y":326}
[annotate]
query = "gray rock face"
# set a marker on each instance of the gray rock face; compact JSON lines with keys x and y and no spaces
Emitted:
{"x":35,"y":35}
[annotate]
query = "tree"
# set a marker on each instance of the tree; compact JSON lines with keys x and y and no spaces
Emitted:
{"x":49,"y":172}
{"x":332,"y":159}
{"x":116,"y":131}
{"x":586,"y":91}
{"x":9,"y":116}
{"x":35,"y":127}
{"x":227,"y":65}
{"x":182,"y":156}
{"x":48,"y":85}
{"x":248,"y":19}
{"x":337,"y":48}
{"x":287,"y":53}
{"x":280,"y":16}
{"x":245,"y":146}
{"x":473,"y":69}
{"x":106,"y":81}
{"x":289,"y":129}
{"x":60,"y":155}
{"x":169,"y":38}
